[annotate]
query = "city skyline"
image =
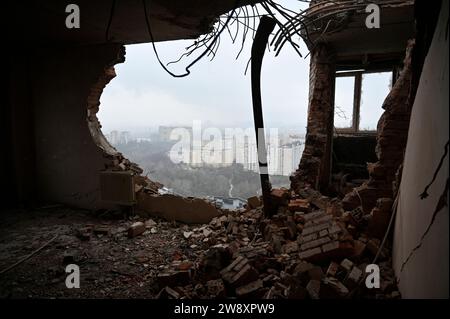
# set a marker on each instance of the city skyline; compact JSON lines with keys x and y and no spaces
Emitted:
{"x":283,"y":150}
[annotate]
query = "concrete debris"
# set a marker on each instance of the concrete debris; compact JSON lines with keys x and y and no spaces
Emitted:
{"x":215,"y":288}
{"x":332,"y":269}
{"x":149,"y":223}
{"x":187,"y":234}
{"x":353,"y":277}
{"x":254,"y":202}
{"x":174,"y":278}
{"x":84,"y":233}
{"x":136,"y":229}
{"x":101,"y":230}
{"x":333,"y":288}
{"x":71,"y":257}
{"x":279,"y":196}
{"x":294,"y":254}
{"x":168,"y":293}
{"x":299,"y":205}
{"x":346,"y":264}
{"x":303,"y":251}
{"x":249,"y":289}
{"x":313,"y":289}
{"x":239,"y":272}
{"x":176,"y":208}
{"x":207,"y":232}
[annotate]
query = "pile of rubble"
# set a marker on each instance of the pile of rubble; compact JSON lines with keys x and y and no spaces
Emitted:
{"x":310,"y":248}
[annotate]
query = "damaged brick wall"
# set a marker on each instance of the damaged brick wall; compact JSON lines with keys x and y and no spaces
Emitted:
{"x":315,"y":164}
{"x":392,"y":134}
{"x":149,"y":202}
{"x":116,"y":160}
{"x":93,"y":104}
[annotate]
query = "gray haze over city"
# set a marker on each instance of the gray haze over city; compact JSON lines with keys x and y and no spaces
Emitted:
{"x":216,"y":92}
{"x":143,"y":98}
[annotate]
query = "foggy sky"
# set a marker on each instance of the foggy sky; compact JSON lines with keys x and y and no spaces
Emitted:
{"x":217,"y":92}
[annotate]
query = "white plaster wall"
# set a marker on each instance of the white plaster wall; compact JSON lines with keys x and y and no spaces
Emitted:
{"x":425,"y":275}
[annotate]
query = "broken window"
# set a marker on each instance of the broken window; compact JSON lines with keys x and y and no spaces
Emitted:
{"x":343,"y":102}
{"x":374,"y":89}
{"x":358,"y":98}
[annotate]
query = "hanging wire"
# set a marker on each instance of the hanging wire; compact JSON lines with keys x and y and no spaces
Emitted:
{"x":208,"y":48}
{"x":320,"y":19}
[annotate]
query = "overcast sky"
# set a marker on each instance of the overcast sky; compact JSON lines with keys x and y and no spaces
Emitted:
{"x":217,"y":93}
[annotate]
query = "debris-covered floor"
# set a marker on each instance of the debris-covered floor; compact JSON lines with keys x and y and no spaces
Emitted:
{"x":309,"y":249}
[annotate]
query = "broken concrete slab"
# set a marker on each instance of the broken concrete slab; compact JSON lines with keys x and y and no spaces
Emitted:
{"x":136,"y":229}
{"x":172,"y":207}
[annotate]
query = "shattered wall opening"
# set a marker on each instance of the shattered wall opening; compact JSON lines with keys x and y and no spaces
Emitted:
{"x":157,"y":105}
{"x":144,"y":194}
{"x":93,"y":107}
{"x":359,"y":97}
{"x":325,"y":151}
{"x":392,"y":134}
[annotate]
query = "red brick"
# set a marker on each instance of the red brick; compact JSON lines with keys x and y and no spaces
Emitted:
{"x":254,"y":202}
{"x":332,"y":288}
{"x":346,"y":264}
{"x":314,"y":243}
{"x":307,"y":254}
{"x":299,"y":205}
{"x":353,"y":277}
{"x":332,"y":269}
{"x":239,"y":272}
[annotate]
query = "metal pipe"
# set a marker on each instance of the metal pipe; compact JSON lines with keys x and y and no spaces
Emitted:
{"x":266,"y":26}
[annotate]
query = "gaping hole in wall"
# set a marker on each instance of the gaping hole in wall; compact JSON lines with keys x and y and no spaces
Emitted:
{"x":93,"y":108}
{"x":155,"y":120}
{"x":359,"y":97}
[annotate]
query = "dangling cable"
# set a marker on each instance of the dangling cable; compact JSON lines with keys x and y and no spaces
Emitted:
{"x":208,"y":49}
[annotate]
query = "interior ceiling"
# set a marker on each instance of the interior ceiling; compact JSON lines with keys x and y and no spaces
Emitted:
{"x":43,"y":22}
{"x":354,"y":39}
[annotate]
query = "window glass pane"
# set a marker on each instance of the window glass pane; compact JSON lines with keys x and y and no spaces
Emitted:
{"x":343,"y":101}
{"x":374,"y":89}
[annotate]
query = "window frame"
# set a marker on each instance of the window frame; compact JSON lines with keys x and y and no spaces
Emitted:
{"x":356,"y":114}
